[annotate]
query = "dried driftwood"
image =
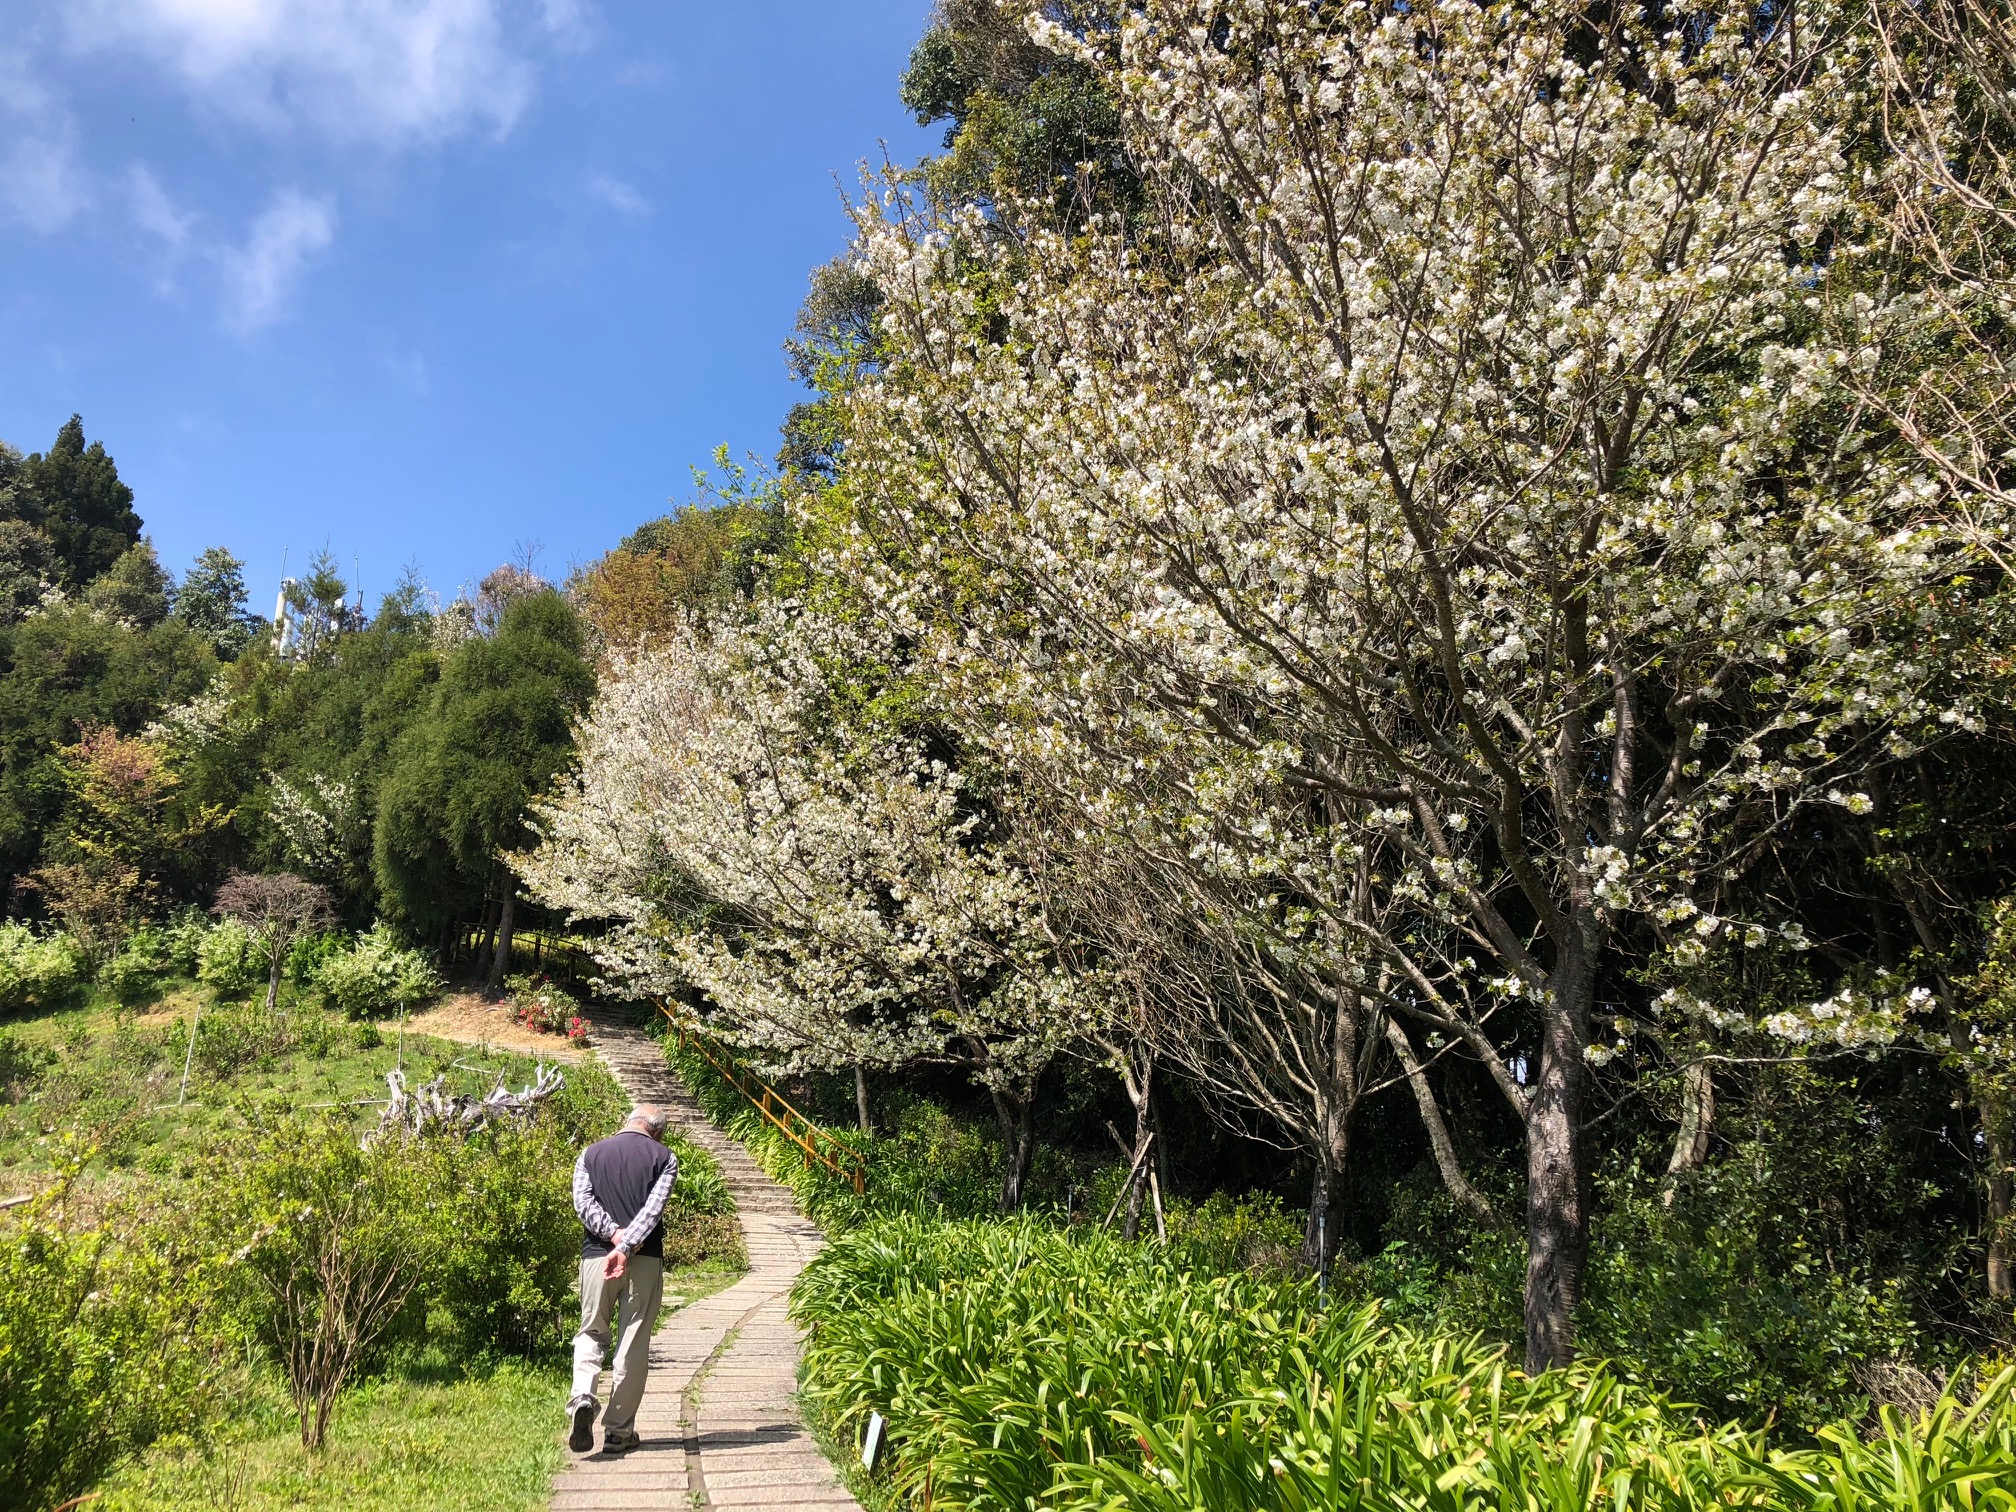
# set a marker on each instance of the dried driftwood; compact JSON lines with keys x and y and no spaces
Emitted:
{"x":434,"y":1109}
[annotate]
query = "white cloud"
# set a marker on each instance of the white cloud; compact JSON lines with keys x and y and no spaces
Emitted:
{"x":618,"y":195}
{"x":42,"y":184}
{"x":259,"y":275}
{"x":571,"y":22}
{"x":394,"y":72}
{"x":154,"y":212}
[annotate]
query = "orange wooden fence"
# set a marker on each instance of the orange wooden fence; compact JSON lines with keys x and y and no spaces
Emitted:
{"x":814,"y":1142}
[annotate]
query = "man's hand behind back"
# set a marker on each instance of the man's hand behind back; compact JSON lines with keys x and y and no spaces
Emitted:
{"x":614,"y":1264}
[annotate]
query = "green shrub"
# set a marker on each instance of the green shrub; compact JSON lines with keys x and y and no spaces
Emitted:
{"x":310,"y":953}
{"x":235,"y":1038}
{"x":341,"y":1236}
{"x":509,"y":1246}
{"x":182,"y":940}
{"x":511,"y":1242}
{"x":149,"y":946}
{"x":102,"y":1346}
{"x":1023,"y":1367}
{"x":1720,"y":1296}
{"x":701,"y":1188}
{"x":20,"y":1064}
{"x":1222,"y":1233}
{"x":229,"y":961}
{"x":1703,"y":1299}
{"x":377,"y":976}
{"x":38,"y":970}
{"x":134,"y":974}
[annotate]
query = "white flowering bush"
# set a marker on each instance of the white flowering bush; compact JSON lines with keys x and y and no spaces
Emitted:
{"x":377,"y":975}
{"x":37,"y":969}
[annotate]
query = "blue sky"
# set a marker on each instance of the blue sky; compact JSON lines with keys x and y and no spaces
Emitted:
{"x":425,"y":279}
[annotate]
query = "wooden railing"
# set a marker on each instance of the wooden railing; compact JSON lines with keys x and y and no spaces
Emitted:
{"x":554,"y":955}
{"x":814,"y":1142}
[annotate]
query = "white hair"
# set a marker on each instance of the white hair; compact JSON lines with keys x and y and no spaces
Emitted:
{"x":651,"y":1118}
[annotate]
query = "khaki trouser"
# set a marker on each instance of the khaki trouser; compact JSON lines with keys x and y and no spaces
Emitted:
{"x":634,"y":1301}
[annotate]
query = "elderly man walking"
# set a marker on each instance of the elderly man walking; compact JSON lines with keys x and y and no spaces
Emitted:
{"x":620,"y":1187}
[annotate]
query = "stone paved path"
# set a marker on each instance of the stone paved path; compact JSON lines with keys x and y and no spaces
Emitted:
{"x":719,"y":1423}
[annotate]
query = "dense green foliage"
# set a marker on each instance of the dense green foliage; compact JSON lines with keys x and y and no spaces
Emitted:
{"x":104,"y":1343}
{"x":209,"y":1239}
{"x":496,"y":730}
{"x":1022,"y":1367}
{"x":389,"y":757}
{"x":36,"y":970}
{"x":72,"y":496}
{"x":64,"y":671}
{"x":375,"y":975}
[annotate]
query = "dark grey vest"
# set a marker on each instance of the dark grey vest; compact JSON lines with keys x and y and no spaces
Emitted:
{"x":622,"y":1169}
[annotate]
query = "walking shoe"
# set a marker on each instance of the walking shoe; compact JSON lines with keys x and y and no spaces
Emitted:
{"x":581,"y":1413}
{"x":619,"y":1440}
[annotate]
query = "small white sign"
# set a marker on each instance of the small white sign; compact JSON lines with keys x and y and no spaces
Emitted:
{"x":872,"y":1444}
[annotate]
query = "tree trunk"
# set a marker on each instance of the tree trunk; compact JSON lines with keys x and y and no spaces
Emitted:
{"x":1439,"y":1142}
{"x":1335,"y":1105}
{"x":486,"y":932}
{"x":1999,"y":1129}
{"x":500,"y":963}
{"x":1017,"y":1116}
{"x":1697,"y":1123}
{"x":273,"y":981}
{"x":1141,"y":1092}
{"x":861,"y":1098}
{"x":1557,"y":1215}
{"x":1326,"y":1211}
{"x":1326,"y":1190}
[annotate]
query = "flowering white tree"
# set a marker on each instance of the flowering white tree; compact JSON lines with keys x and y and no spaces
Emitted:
{"x":810,"y":869}
{"x":1938,"y":365}
{"x":1213,"y":962}
{"x":1449,"y":480}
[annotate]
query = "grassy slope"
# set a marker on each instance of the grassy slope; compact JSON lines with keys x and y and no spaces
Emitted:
{"x":480,"y":1442}
{"x":121,"y":1083}
{"x":427,"y":1434}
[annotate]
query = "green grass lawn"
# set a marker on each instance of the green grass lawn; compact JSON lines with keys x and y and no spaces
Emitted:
{"x":116,"y":1077}
{"x":427,"y":1432}
{"x":482,"y":1441}
{"x":485,"y":1441}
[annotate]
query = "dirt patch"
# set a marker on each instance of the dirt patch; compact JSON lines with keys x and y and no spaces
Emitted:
{"x":166,"y":1010}
{"x":470,"y":1020}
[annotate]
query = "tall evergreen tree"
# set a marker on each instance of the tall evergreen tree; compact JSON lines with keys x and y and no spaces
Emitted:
{"x":211,"y":601}
{"x":498,"y":731}
{"x":135,"y":589}
{"x":72,"y":493}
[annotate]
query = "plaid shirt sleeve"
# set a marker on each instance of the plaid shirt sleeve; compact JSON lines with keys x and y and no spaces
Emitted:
{"x":654,"y":1207}
{"x":594,"y":1217}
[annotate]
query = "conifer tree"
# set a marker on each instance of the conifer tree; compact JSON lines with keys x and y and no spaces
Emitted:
{"x":73,"y":494}
{"x":497,"y":732}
